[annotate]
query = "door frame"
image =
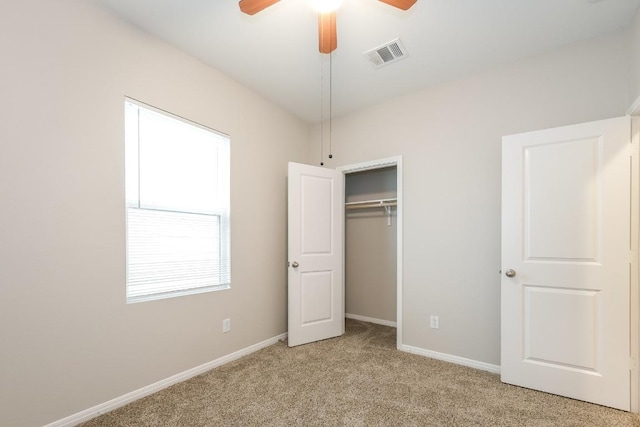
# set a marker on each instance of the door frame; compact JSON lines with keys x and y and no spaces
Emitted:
{"x":634,"y":330}
{"x":380,"y":164}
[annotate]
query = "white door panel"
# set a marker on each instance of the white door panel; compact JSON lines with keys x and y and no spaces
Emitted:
{"x":562,"y":224}
{"x":316,"y":222}
{"x":565,"y":233}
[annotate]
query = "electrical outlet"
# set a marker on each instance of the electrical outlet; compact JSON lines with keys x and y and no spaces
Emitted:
{"x":435,"y":322}
{"x":226,"y":325}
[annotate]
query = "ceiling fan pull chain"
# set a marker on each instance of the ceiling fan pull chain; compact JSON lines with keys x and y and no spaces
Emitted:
{"x":330,"y":103}
{"x":321,"y":110}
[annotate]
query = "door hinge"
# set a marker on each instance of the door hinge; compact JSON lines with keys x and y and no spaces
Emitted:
{"x":633,"y":364}
{"x":633,"y":257}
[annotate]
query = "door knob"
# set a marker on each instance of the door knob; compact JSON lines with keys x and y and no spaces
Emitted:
{"x":295,"y":264}
{"x":510,"y":273}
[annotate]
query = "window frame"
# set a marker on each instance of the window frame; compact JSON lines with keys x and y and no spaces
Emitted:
{"x":222,"y":213}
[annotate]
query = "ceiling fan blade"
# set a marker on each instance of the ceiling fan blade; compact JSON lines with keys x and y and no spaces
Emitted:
{"x":400,"y":4}
{"x":327,"y":33}
{"x":251,"y":7}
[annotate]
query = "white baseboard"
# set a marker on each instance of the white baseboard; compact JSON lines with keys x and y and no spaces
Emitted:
{"x":105,"y":407}
{"x":371,"y":320}
{"x":495,"y":369}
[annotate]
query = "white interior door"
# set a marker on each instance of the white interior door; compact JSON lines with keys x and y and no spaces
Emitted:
{"x":316,"y":280}
{"x":565,"y":244}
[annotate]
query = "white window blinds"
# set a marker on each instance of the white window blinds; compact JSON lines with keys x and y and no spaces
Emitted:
{"x":177,"y":189}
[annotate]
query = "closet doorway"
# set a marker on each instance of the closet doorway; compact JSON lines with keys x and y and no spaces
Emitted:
{"x":373,"y":242}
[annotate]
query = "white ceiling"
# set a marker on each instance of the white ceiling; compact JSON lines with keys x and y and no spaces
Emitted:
{"x":275,"y":52}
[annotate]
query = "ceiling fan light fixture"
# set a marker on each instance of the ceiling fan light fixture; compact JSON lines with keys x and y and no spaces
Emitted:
{"x":326,"y":6}
{"x":327,"y":33}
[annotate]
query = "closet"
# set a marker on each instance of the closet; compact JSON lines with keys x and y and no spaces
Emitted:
{"x":371,"y":245}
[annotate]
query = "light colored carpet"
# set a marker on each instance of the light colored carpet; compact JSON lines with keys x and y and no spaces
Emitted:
{"x":359,"y":379}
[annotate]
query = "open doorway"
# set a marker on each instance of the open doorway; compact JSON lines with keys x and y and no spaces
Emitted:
{"x":373,"y":242}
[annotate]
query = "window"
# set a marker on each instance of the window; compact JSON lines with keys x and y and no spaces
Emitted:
{"x":177,"y":191}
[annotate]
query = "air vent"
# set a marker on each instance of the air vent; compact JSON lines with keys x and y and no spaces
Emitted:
{"x":386,"y":54}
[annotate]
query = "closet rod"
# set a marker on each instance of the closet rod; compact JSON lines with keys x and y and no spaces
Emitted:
{"x":387,"y":204}
{"x":371,"y":204}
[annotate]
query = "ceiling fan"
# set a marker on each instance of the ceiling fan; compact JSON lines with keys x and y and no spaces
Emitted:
{"x":327,"y":34}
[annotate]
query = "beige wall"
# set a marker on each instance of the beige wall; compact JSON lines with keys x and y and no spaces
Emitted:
{"x":68,"y":341}
{"x":635,"y":57}
{"x":450,"y":140}
{"x":370,"y":247}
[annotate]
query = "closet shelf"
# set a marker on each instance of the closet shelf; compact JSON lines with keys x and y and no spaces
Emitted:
{"x":387,"y":204}
{"x":367,"y":204}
